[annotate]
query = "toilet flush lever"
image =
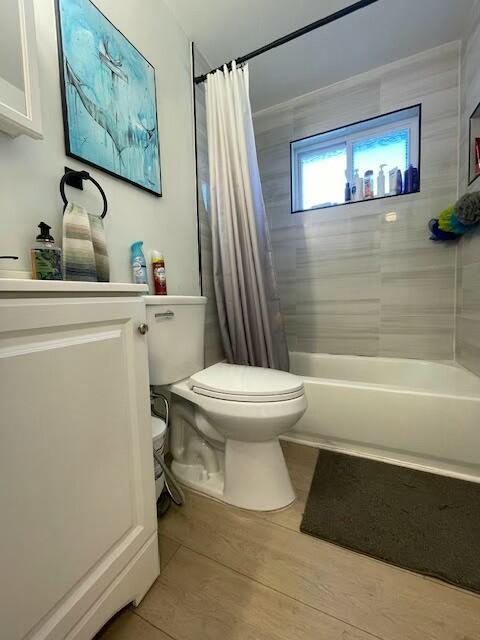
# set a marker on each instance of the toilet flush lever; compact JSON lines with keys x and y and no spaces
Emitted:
{"x":166,"y":315}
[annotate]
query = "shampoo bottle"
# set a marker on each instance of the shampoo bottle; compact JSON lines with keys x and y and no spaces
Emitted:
{"x":392,"y":175}
{"x":399,"y":188}
{"x":368,"y":184}
{"x":159,"y":275}
{"x":415,"y":180}
{"x":381,"y":182}
{"x":46,"y":257}
{"x":139,"y":266}
{"x":348,"y":192}
{"x":410,"y":183}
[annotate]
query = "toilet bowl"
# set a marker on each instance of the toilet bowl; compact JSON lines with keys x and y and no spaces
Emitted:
{"x":234,"y":415}
{"x":225,"y":419}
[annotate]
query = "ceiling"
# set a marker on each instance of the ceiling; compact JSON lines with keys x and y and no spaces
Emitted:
{"x":376,"y":35}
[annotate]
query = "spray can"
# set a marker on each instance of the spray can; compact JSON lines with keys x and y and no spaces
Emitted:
{"x":139,"y":266}
{"x":159,"y":274}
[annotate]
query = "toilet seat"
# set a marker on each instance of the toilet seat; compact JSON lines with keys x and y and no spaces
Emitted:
{"x":240,"y":383}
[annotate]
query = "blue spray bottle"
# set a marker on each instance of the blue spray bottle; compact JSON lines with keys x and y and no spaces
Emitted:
{"x":139,"y":265}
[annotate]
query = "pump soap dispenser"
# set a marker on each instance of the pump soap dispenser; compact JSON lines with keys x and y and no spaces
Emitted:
{"x":46,"y":257}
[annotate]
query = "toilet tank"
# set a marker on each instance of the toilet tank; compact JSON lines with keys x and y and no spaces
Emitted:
{"x":176,"y":326}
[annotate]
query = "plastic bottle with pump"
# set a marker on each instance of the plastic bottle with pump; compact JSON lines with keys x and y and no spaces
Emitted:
{"x":381,"y":182}
{"x":46,"y":257}
{"x":159,"y":274}
{"x":139,"y":266}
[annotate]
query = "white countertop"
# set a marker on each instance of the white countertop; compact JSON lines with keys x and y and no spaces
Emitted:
{"x":17,"y":285}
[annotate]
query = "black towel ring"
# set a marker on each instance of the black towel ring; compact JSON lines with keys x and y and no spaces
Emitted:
{"x":75,"y":179}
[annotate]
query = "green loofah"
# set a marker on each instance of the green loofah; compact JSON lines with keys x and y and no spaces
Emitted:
{"x":445,"y":219}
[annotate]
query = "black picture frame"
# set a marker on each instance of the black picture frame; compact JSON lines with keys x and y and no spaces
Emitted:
{"x":63,"y":84}
{"x":470,"y":150}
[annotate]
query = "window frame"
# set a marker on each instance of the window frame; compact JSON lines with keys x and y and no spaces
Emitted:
{"x":348,"y":139}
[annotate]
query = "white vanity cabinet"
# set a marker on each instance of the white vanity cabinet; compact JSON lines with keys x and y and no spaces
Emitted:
{"x":19,"y":87}
{"x":78,"y":528}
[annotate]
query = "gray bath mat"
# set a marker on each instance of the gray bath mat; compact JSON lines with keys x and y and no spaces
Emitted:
{"x":416,"y":520}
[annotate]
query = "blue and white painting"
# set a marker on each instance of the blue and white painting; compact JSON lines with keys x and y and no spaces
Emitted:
{"x":109,"y":96}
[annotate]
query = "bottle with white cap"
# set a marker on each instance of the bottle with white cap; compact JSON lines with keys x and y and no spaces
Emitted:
{"x":159,"y":274}
{"x":381,"y":182}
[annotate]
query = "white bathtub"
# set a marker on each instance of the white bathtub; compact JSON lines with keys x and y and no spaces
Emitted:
{"x":411,"y":412}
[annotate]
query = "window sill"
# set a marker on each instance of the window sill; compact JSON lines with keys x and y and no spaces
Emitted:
{"x":345,"y":204}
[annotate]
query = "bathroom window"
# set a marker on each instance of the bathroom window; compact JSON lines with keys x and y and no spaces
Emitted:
{"x":371,"y":159}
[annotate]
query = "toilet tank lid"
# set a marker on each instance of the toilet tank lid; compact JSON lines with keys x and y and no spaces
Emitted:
{"x":171,"y":300}
{"x":245,"y":381}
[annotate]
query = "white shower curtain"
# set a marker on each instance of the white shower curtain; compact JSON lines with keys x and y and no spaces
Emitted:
{"x":248,"y":304}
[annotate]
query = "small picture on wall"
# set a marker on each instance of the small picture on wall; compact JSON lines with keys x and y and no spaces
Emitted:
{"x":474,"y":147}
{"x":109,"y":97}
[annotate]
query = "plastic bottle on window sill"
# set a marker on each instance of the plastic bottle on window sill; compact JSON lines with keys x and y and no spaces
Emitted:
{"x":348,"y":192}
{"x":357,"y":186}
{"x":381,"y":182}
{"x":368,"y":185}
{"x":348,"y":188}
{"x":410,"y":183}
{"x":392,"y":181}
{"x":399,"y":188}
{"x":407,"y":181}
{"x":415,"y":179}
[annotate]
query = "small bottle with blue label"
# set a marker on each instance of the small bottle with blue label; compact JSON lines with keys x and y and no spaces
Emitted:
{"x":139,"y":265}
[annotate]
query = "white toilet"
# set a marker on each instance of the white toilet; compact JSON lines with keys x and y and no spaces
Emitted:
{"x":226,"y":419}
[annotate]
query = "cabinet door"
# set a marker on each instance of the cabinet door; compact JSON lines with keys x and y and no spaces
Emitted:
{"x":19,"y":87}
{"x":77,"y":495}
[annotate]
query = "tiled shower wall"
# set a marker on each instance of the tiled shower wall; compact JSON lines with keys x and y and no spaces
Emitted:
{"x":213,"y":345}
{"x":364,"y":278}
{"x":468,"y":271}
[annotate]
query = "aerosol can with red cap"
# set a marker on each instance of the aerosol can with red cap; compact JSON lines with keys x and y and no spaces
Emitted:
{"x":159,"y":274}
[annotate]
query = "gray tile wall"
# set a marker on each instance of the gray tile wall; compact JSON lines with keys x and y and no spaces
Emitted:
{"x":468,"y":268}
{"x":365,"y":279}
{"x":213,"y":345}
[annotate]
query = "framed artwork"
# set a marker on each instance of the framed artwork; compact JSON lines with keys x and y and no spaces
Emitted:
{"x":474,"y":146}
{"x":109,"y":97}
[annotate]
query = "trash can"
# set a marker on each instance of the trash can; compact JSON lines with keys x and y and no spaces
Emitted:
{"x":159,"y":430}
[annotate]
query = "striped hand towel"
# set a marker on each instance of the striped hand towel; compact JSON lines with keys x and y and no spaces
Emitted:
{"x":84,"y":246}
{"x":102,"y":263}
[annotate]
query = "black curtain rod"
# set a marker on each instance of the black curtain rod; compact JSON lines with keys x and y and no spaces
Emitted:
{"x":295,"y":34}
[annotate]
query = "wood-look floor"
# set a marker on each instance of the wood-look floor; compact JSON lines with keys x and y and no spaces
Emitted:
{"x":229,"y":574}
